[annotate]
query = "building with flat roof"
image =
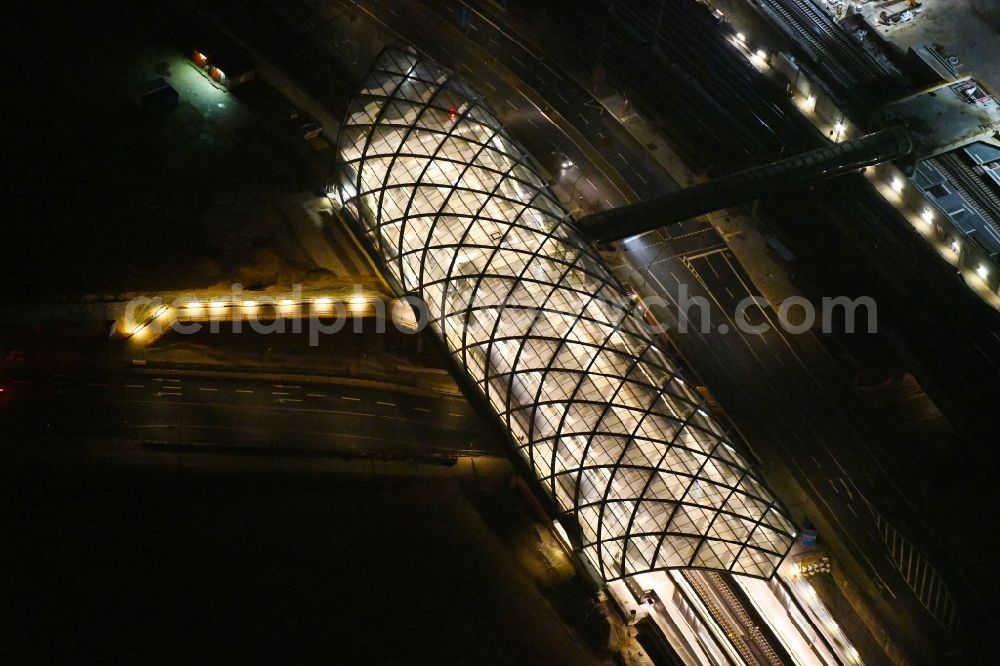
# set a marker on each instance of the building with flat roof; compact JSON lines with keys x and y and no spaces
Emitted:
{"x":456,"y":213}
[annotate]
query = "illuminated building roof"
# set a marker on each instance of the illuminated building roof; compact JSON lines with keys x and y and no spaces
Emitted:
{"x":457,"y":214}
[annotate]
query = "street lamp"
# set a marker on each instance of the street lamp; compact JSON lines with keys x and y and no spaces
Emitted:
{"x":572,"y":192}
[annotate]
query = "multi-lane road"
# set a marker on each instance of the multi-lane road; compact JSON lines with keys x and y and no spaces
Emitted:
{"x":784,"y":392}
{"x":210,"y":412}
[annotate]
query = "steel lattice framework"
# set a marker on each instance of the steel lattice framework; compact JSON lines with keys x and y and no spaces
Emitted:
{"x":457,"y":214}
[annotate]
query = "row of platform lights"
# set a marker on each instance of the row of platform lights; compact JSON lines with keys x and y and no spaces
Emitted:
{"x":761,"y":60}
{"x":232,"y":308}
{"x":758,"y":57}
{"x":807,"y":105}
{"x":896,"y":184}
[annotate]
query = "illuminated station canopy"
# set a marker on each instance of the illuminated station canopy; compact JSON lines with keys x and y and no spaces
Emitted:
{"x":457,"y":214}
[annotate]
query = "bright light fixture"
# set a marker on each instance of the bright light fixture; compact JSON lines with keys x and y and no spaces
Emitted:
{"x":982,"y":271}
{"x":897,"y":184}
{"x":741,"y":37}
{"x":927,"y":215}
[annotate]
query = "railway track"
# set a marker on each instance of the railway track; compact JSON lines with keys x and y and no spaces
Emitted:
{"x":751,"y":641}
{"x":964,"y":179}
{"x":831,"y":47}
{"x":699,"y":73}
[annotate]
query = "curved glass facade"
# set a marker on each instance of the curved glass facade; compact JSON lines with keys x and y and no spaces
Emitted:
{"x":458,"y":215}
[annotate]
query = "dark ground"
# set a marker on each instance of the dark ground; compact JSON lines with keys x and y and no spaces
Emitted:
{"x":172,"y":564}
{"x":103,"y":198}
{"x":140,"y":565}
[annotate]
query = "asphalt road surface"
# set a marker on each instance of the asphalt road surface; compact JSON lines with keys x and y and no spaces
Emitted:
{"x":220,"y":414}
{"x":784,"y":393}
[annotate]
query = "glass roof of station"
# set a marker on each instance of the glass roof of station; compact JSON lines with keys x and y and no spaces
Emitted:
{"x":457,"y":213}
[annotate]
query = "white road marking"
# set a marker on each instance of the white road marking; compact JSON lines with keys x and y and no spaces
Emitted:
{"x":455,"y":414}
{"x":202,"y":388}
{"x":639,"y":176}
{"x":422,"y":409}
{"x":244,"y":391}
{"x":316,"y":395}
{"x":285,"y":386}
{"x":347,"y":397}
{"x":134,"y":386}
{"x":96,"y":384}
{"x":279,"y":392}
{"x":387,"y":404}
